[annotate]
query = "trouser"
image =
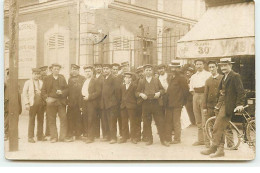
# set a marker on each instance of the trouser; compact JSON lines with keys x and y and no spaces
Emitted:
{"x":89,"y":119}
{"x":138,"y":122}
{"x":74,"y":119}
{"x":6,"y":123}
{"x":198,"y":112}
{"x":149,"y":108}
{"x":39,"y":111}
{"x":189,"y":108}
{"x":97,"y":123}
{"x":129,"y":114}
{"x":47,"y":128}
{"x":173,"y":119}
{"x":221,"y":124}
{"x":119,"y":120}
{"x":52,"y":111}
{"x":210,"y":113}
{"x":109,"y":121}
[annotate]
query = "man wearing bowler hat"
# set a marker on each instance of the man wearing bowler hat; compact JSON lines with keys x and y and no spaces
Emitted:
{"x":54,"y":92}
{"x":90,"y":92}
{"x":150,"y":90}
{"x":231,"y":98}
{"x":176,"y":96}
{"x":197,"y":87}
{"x":74,"y":117}
{"x":109,"y":105}
{"x":34,"y":104}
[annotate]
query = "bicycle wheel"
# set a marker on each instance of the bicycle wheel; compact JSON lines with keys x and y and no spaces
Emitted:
{"x":251,"y":132}
{"x":232,"y":135}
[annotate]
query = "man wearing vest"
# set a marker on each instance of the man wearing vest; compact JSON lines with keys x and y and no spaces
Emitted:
{"x":54,"y":92}
{"x":74,"y":116}
{"x":128,"y":109}
{"x":231,"y":98}
{"x":34,"y":104}
{"x":91,"y":91}
{"x":150,"y":90}
{"x":197,"y":87}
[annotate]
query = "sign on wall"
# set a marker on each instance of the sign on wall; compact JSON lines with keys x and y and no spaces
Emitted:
{"x":27,"y":48}
{"x":216,"y":48}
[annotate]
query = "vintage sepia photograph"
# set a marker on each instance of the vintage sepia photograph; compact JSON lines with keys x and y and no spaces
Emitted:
{"x":120,"y":80}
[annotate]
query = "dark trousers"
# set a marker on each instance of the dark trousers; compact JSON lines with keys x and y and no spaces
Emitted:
{"x":138,"y":122}
{"x":189,"y":108}
{"x":151,"y":109}
{"x":52,"y":111}
{"x":97,"y":123}
{"x":89,"y":119}
{"x":109,"y":123}
{"x":173,"y":121}
{"x":47,"y":128}
{"x":74,"y":119}
{"x":129,"y":114}
{"x":119,"y":121}
{"x":36,"y":110}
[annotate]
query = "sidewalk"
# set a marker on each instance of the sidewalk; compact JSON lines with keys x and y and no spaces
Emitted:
{"x":78,"y":150}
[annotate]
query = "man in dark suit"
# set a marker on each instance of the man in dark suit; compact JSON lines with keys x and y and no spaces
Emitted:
{"x":74,"y":116}
{"x":109,"y":105}
{"x":176,"y":96}
{"x":54,"y":92}
{"x":231,"y":98}
{"x":91,"y":90}
{"x":99,"y":76}
{"x":150,"y":90}
{"x":128,"y":109}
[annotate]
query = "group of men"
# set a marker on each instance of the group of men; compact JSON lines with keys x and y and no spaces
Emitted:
{"x":127,"y":102}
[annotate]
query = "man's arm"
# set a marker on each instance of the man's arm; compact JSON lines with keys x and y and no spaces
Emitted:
{"x":97,"y":91}
{"x":44,"y":89}
{"x":205,"y":96}
{"x":239,"y":90}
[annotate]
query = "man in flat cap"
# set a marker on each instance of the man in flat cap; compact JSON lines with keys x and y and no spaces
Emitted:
{"x":176,"y":96}
{"x":34,"y":104}
{"x":99,"y":76}
{"x":109,"y":105}
{"x":125,"y":67}
{"x":197,"y":87}
{"x":44,"y":72}
{"x":54,"y":92}
{"x":150,"y":90}
{"x":128,"y":109}
{"x":89,"y":102}
{"x":231,"y":98}
{"x":74,"y":117}
{"x":119,"y":81}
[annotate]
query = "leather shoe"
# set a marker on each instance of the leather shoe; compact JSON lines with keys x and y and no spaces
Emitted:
{"x":134,"y":141}
{"x":197,"y":143}
{"x":149,"y":143}
{"x":88,"y":141}
{"x":41,"y":139}
{"x":112,"y":141}
{"x":122,"y":140}
{"x":78,"y":138}
{"x":68,"y":139}
{"x":218,"y":153}
{"x":176,"y":142}
{"x":164,"y":143}
{"x":105,"y":140}
{"x":209,"y":151}
{"x":31,"y":140}
{"x":54,"y":140}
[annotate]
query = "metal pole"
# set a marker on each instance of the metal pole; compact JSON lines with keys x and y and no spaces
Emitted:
{"x":13,"y":72}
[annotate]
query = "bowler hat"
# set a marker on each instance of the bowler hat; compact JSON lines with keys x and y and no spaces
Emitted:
{"x":225,"y":61}
{"x":36,"y":70}
{"x":75,"y":66}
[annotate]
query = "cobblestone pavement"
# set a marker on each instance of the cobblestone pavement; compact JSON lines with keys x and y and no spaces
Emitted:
{"x":78,"y":150}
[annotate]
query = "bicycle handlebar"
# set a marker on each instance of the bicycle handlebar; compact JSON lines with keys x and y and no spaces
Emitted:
{"x":235,"y":110}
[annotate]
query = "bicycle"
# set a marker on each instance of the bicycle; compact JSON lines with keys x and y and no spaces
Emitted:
{"x":233,"y":136}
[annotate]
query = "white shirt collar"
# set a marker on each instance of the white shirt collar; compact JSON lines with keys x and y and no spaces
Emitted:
{"x":148,"y":79}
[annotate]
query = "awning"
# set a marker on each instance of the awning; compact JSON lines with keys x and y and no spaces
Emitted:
{"x":222,"y":31}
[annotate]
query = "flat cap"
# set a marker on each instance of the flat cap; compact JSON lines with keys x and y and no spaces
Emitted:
{"x":107,"y":65}
{"x":202,"y":60}
{"x":36,"y":70}
{"x":140,"y":68}
{"x":55,"y":65}
{"x":97,"y":65}
{"x":88,"y":67}
{"x":43,"y":68}
{"x":115,"y":64}
{"x":161,"y":66}
{"x":75,"y":66}
{"x":128,"y":73}
{"x":148,"y":66}
{"x":124,"y":63}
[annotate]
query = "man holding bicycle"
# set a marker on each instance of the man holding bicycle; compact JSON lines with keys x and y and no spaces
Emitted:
{"x":231,"y":96}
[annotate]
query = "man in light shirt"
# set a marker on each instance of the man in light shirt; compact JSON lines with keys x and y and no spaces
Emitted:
{"x":197,"y":87}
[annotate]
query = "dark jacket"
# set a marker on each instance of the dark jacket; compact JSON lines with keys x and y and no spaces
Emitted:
{"x":75,"y":85}
{"x":211,"y":91}
{"x":128,"y":98}
{"x":47,"y":86}
{"x":158,"y":88}
{"x":94,"y":90}
{"x":234,"y":92}
{"x":108,"y":96}
{"x":177,"y":92}
{"x":100,"y":83}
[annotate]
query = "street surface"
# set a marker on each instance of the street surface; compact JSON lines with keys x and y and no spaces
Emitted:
{"x":78,"y":150}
